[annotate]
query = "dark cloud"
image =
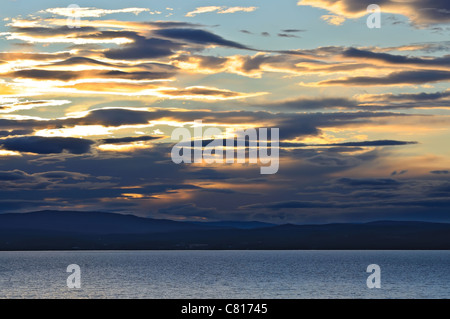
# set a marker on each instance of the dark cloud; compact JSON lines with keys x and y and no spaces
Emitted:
{"x":292,"y":30}
{"x":190,"y":210}
{"x":61,"y":175}
{"x":369,"y":182}
{"x":144,"y":48}
{"x":396,"y":59}
{"x":373,"y":143}
{"x":15,"y":132}
{"x":39,"y":74}
{"x":352,"y":144}
{"x":155,"y":67}
{"x":199,"y":37}
{"x":315,"y":103}
{"x":78,"y":60}
{"x":172,"y":24}
{"x":142,"y":75}
{"x":46,"y":145}
{"x":265,"y":34}
{"x":419,"y":96}
{"x":130,"y":139}
{"x":48,"y":31}
{"x":395,"y":173}
{"x":13,"y":175}
{"x":200,"y":91}
{"x":45,"y":75}
{"x":113,"y":117}
{"x":406,"y":100}
{"x":289,"y":204}
{"x":287,"y":35}
{"x":440,"y":172}
{"x":402,"y":77}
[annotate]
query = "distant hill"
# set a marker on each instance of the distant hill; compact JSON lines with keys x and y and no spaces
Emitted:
{"x":235,"y":224}
{"x":91,"y":223}
{"x":63,"y":230}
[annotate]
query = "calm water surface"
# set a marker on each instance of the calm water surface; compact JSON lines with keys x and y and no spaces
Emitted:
{"x":225,"y":274}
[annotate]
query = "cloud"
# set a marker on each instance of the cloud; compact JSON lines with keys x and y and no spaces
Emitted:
{"x":46,"y":145}
{"x":143,"y":48}
{"x":199,"y":37}
{"x":62,"y":175}
{"x":8,"y":105}
{"x":440,"y":172}
{"x":394,"y":78}
{"x":74,"y":75}
{"x":351,"y":144}
{"x":221,"y":10}
{"x":408,"y":97}
{"x":289,"y":204}
{"x":370,"y":182}
{"x":64,"y":34}
{"x":205,"y":93}
{"x":418,"y":11}
{"x":292,"y":30}
{"x":333,"y":19}
{"x":13,"y":175}
{"x":43,"y":31}
{"x":395,"y":173}
{"x":35,"y":56}
{"x":189,"y":210}
{"x":397,"y":59}
{"x":428,"y":47}
{"x":129,"y":139}
{"x":373,"y":143}
{"x":237,"y":9}
{"x":440,"y":99}
{"x":200,"y":10}
{"x":15,"y":132}
{"x":313,"y":103}
{"x":287,"y":35}
{"x":85,"y":12}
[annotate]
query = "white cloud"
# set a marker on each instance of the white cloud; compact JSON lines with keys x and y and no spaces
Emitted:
{"x":333,"y":19}
{"x":203,"y":10}
{"x":238,"y":9}
{"x":218,"y":9}
{"x":93,"y":12}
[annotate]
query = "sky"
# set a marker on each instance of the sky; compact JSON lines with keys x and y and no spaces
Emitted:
{"x":91,"y":92}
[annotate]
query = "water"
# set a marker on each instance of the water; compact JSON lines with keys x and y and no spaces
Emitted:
{"x":225,"y":274}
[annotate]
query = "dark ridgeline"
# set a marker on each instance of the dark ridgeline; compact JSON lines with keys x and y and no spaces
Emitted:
{"x":63,"y":230}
